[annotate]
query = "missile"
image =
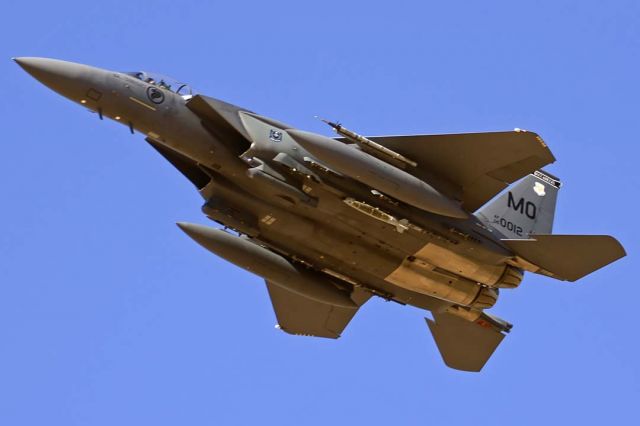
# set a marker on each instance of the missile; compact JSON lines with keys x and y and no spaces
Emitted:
{"x":274,"y":268}
{"x":368,"y":143}
{"x":377,"y":174}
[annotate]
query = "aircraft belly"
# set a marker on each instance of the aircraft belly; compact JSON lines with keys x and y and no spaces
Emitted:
{"x":330,"y":234}
{"x":383,"y":268}
{"x":439,"y":284}
{"x":434,"y":254}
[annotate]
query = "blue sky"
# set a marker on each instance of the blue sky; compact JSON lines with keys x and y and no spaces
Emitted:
{"x":110,"y":315}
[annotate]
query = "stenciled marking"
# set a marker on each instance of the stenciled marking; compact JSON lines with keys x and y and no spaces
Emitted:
{"x":508,"y":225}
{"x":268,"y":220}
{"x":526,"y":208}
{"x":548,"y":179}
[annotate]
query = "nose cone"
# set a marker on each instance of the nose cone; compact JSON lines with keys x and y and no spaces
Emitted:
{"x":67,"y":78}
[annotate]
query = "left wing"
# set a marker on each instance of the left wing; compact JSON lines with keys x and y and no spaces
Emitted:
{"x":185,"y":165}
{"x":303,"y":316}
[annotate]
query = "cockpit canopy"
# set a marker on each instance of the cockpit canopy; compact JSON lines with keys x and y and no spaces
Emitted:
{"x":163,"y":82}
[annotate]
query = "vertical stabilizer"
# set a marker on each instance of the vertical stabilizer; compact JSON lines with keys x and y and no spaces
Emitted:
{"x":524,"y":209}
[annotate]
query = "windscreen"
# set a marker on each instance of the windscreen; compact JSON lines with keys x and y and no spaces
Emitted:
{"x":163,"y":82}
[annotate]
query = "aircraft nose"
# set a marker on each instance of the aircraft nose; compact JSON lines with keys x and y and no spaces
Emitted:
{"x":64,"y":77}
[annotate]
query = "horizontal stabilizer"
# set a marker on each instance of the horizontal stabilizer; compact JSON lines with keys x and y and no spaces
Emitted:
{"x":464,"y":345}
{"x":568,"y":257}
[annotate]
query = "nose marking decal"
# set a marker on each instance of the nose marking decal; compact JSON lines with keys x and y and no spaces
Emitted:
{"x":139,"y":102}
{"x":275,"y":135}
{"x":155,"y":95}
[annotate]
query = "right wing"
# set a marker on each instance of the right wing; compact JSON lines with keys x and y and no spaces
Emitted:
{"x":471,"y":167}
{"x":303,"y":316}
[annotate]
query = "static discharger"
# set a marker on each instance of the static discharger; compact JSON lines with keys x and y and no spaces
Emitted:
{"x":365,"y":142}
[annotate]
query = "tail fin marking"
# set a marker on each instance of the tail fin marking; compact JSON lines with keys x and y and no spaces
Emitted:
{"x":527,"y":208}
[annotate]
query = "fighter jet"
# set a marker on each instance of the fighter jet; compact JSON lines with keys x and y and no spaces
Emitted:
{"x":440,"y":222}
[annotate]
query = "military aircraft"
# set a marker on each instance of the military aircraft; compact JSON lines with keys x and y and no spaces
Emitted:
{"x":431,"y":221}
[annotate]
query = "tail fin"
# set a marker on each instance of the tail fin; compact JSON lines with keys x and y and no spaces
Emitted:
{"x":527,"y":208}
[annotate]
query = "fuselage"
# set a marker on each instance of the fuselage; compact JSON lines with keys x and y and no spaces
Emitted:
{"x":266,"y":185}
